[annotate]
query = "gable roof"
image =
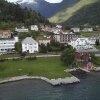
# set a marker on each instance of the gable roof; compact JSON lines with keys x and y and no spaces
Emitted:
{"x":29,"y":40}
{"x":5,"y":32}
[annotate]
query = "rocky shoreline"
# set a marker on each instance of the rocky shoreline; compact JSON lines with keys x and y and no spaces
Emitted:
{"x":96,"y":69}
{"x":54,"y":82}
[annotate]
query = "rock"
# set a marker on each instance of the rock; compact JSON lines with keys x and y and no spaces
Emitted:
{"x":58,"y":81}
{"x":96,"y":69}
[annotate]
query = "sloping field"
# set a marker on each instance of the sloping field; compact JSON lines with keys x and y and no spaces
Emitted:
{"x":67,"y":13}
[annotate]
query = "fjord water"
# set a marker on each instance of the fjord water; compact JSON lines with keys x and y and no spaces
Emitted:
{"x":88,"y":89}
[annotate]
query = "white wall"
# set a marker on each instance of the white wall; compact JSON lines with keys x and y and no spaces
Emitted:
{"x":31,"y":48}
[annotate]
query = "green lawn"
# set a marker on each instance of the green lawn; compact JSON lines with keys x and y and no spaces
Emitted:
{"x":47,"y":67}
{"x":98,"y":47}
{"x":9,"y":55}
{"x":87,"y":34}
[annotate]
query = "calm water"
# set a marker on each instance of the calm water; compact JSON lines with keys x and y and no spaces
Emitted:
{"x":88,"y":89}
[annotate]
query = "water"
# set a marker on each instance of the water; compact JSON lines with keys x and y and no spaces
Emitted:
{"x":88,"y":89}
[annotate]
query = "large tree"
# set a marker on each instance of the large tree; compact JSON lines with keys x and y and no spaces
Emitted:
{"x":68,"y":56}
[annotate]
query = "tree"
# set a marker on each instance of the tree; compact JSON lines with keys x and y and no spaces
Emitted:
{"x":62,"y":47}
{"x":49,"y":49}
{"x":18,"y":47}
{"x":97,"y":42}
{"x":68,"y":56}
{"x":43,"y":48}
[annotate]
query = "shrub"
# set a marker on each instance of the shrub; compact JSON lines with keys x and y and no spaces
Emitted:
{"x":31,"y":58}
{"x":2,"y":60}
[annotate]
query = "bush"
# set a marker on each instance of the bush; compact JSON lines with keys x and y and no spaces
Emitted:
{"x":68,"y":56}
{"x":2,"y":60}
{"x":16,"y":59}
{"x":31,"y":58}
{"x":96,"y":60}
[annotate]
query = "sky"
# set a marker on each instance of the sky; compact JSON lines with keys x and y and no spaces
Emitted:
{"x":50,"y":1}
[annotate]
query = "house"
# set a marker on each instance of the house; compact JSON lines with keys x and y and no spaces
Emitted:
{"x":7,"y":45}
{"x":93,"y":40}
{"x":45,"y":40}
{"x":57,"y":37}
{"x":87,"y":30}
{"x":84,"y":55}
{"x":56,"y":30}
{"x":67,"y":36}
{"x":76,"y":30}
{"x":34,"y":28}
{"x":59,"y":26}
{"x":84,"y":50}
{"x":5,"y":33}
{"x":81,"y":43}
{"x":46,"y":28}
{"x":29,"y":45}
{"x":21,"y":29}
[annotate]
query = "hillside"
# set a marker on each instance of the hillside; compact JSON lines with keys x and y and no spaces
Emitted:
{"x":11,"y":13}
{"x":47,"y":9}
{"x":83,"y":12}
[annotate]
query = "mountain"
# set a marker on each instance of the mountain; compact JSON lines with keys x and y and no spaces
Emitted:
{"x":10,"y":12}
{"x":83,"y":12}
{"x":74,"y":12}
{"x":47,"y":9}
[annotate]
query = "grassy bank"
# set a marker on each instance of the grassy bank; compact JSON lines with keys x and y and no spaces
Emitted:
{"x":70,"y":11}
{"x":47,"y":67}
{"x":87,"y":34}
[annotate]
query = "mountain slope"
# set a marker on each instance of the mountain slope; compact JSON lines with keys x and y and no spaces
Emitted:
{"x":66,"y":14}
{"x":10,"y":12}
{"x":87,"y":15}
{"x":45,"y":8}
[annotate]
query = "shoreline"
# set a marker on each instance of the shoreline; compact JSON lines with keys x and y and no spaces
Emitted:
{"x":54,"y":82}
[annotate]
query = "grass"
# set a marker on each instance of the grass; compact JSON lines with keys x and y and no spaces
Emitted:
{"x":68,"y":12}
{"x":87,"y":34}
{"x":98,"y":47}
{"x":9,"y":55}
{"x":18,"y":55}
{"x":96,"y":61}
{"x":47,"y":67}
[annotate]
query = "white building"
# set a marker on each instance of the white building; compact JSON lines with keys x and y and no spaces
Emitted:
{"x":34,"y":28}
{"x":92,"y":40}
{"x":65,"y":37}
{"x":21,"y":29}
{"x":5,"y":33}
{"x":80,"y":43}
{"x":57,"y":37}
{"x":87,"y":30}
{"x":29,"y":45}
{"x":45,"y":39}
{"x":75,"y":30}
{"x":8,"y":45}
{"x":59,"y":26}
{"x":56,"y":30}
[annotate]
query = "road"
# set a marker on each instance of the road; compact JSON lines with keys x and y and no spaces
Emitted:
{"x":38,"y":56}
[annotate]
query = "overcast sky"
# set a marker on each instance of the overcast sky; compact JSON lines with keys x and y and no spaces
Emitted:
{"x":50,"y":1}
